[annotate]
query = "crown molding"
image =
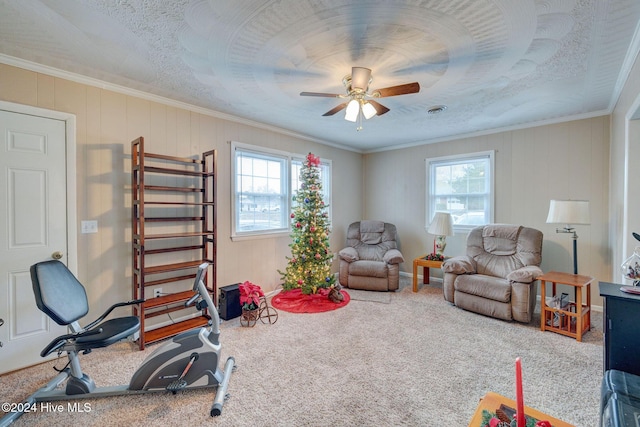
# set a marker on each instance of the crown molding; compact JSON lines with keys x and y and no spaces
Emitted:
{"x":634,"y":48}
{"x":494,"y":131}
{"x":90,"y":81}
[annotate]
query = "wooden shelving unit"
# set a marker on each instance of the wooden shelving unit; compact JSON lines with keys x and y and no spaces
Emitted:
{"x":173,"y":231}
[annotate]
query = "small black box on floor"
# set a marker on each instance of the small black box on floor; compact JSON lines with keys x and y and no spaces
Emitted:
{"x":229,"y":302}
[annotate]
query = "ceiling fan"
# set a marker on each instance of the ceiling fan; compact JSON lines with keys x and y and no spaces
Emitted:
{"x":360,"y":99}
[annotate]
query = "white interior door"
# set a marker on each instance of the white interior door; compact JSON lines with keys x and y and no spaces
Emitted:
{"x":33,"y":225}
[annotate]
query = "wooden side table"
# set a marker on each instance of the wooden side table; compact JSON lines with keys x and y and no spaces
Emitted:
{"x":492,"y":401}
{"x":425,"y":263}
{"x":573,"y":321}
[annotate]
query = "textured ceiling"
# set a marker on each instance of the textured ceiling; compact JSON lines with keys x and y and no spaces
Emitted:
{"x":494,"y":63}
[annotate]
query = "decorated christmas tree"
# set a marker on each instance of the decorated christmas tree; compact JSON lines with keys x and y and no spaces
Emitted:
{"x":309,"y":267}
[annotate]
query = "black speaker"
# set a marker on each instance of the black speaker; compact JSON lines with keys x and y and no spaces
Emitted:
{"x":229,"y":302}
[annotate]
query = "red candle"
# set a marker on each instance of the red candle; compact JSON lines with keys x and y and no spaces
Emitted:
{"x":520,"y":420}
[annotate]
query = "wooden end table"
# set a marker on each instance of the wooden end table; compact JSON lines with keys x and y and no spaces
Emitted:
{"x":492,"y":401}
{"x":425,"y":263}
{"x":575,"y":319}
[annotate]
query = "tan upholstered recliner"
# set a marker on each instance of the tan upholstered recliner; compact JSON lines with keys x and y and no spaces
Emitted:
{"x":498,"y":275}
{"x":371,"y":259}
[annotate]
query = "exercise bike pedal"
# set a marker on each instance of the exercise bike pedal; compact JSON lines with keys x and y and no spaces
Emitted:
{"x":176,"y":386}
{"x":180,"y":383}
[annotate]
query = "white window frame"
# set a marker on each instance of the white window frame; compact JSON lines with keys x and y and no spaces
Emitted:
{"x":286,"y":188}
{"x":461,"y":158}
{"x":276,"y":155}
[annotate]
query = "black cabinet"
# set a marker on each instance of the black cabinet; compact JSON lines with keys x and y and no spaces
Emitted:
{"x":621,"y":329}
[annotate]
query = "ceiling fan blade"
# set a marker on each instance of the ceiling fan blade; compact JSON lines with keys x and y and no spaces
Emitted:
{"x":336,"y":109}
{"x":360,"y":77}
{"x":325,"y":95}
{"x":397,"y":90}
{"x":380,"y":109}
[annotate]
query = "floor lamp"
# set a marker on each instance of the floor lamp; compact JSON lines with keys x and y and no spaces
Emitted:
{"x":569,"y":212}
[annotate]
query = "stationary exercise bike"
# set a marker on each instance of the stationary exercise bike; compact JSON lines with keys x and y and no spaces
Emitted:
{"x":188,"y":361}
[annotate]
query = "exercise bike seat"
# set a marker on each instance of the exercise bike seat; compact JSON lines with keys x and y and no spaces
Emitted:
{"x":102,"y":335}
{"x":64,"y":299}
{"x":112,"y":331}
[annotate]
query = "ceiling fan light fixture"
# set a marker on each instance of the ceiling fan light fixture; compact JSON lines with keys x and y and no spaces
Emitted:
{"x":360,"y":78}
{"x":353,"y":110}
{"x":357,"y":97}
{"x":368,"y":110}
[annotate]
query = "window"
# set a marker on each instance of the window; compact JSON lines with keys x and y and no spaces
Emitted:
{"x":263,"y":184}
{"x":260,"y":191}
{"x":462,"y":186}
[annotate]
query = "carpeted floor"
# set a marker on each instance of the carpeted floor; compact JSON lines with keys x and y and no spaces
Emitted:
{"x":415,"y":361}
{"x":380,"y":297}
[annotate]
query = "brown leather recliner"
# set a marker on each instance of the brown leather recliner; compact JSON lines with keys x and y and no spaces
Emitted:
{"x":498,"y":275}
{"x":371,"y":259}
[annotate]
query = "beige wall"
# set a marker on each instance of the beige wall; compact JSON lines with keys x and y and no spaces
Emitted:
{"x":106,"y":124}
{"x":561,"y":161}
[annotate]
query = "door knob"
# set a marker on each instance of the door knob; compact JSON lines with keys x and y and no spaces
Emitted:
{"x":1,"y":323}
{"x":57,"y":255}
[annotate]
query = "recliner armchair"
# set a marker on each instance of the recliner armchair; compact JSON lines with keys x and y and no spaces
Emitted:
{"x":498,"y":276}
{"x":371,"y":259}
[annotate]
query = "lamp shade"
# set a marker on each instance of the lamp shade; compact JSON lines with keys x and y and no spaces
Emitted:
{"x":352,"y":111}
{"x":360,"y":77}
{"x":442,"y":224}
{"x":368,"y":110}
{"x":569,"y":212}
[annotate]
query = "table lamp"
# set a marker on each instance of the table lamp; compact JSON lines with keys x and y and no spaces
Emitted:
{"x":569,"y":212}
{"x":441,"y":226}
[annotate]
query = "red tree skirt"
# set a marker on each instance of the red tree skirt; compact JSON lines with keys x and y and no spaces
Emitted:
{"x":294,"y":301}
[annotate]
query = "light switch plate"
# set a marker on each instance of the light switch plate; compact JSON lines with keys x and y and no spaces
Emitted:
{"x":89,"y":227}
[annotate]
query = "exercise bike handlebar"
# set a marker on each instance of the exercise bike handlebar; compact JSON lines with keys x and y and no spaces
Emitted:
{"x":60,"y":341}
{"x":110,"y":309}
{"x":201,"y":290}
{"x":192,"y":300}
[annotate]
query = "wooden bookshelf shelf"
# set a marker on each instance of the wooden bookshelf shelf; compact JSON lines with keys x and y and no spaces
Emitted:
{"x":165,"y":248}
{"x":175,"y":328}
